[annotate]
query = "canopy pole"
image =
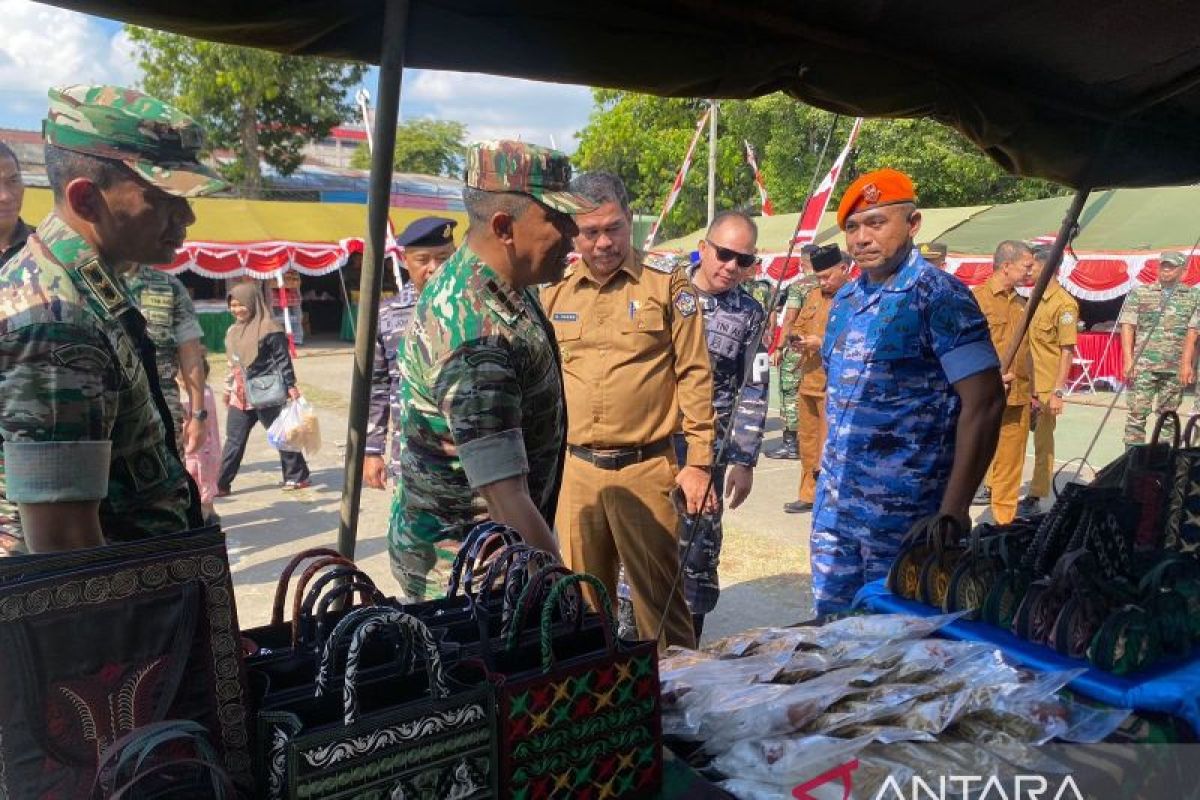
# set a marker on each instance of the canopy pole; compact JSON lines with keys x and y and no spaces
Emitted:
{"x":391,"y":71}
{"x":1050,"y":273}
{"x":712,"y":163}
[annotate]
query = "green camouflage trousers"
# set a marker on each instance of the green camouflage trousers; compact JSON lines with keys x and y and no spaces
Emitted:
{"x":789,"y":388}
{"x":1146,"y":386}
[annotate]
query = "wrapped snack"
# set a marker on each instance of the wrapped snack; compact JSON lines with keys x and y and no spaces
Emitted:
{"x":881,"y":704}
{"x":923,"y":659}
{"x":743,"y":789}
{"x":748,"y":642}
{"x":681,"y":676}
{"x":787,"y":760}
{"x":804,"y":665}
{"x":1088,"y":724}
{"x":936,"y":714}
{"x":731,"y":714}
{"x":881,"y":627}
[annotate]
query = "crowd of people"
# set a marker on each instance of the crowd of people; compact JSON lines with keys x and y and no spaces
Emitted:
{"x":543,"y":373}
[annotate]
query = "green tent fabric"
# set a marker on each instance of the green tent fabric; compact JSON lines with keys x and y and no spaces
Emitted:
{"x":1089,"y":93}
{"x":1116,"y":220}
{"x":775,"y":232}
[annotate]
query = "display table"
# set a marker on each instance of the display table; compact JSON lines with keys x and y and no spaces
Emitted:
{"x":1171,"y":688}
{"x":1104,"y":351}
{"x":214,"y":323}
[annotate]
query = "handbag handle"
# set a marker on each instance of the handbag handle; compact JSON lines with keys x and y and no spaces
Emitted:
{"x":1158,"y":426}
{"x":529,"y":596}
{"x":460,"y":558}
{"x":141,"y":742}
{"x":303,"y":609}
{"x":368,"y":595}
{"x":603,"y":607}
{"x":343,"y":627}
{"x":309,"y":572}
{"x":495,"y":535}
{"x":1192,"y":423}
{"x":285,"y":578}
{"x":411,"y":630}
{"x":222,"y":785}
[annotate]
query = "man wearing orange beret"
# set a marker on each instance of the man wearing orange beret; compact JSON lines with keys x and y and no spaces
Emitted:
{"x":914,"y":396}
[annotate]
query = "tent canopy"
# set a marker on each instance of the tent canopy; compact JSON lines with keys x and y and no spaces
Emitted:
{"x":1091,"y":93}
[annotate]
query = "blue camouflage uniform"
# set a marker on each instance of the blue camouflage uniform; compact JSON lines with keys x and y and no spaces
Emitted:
{"x":892,"y":352}
{"x":730,"y":320}
{"x":394,"y":315}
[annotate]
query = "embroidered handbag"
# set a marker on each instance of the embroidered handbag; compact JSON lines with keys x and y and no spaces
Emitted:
{"x":93,"y":651}
{"x":1150,"y":473}
{"x":1181,"y":529}
{"x":580,"y":714}
{"x":428,"y":735}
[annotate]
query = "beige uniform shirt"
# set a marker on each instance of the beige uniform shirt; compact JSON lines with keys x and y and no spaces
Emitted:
{"x":1054,"y":326}
{"x":813,"y":317}
{"x":1004,"y":310}
{"x":634,"y":358}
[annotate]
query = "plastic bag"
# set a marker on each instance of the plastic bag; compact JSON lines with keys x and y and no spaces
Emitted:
{"x":787,"y":760}
{"x":296,"y":429}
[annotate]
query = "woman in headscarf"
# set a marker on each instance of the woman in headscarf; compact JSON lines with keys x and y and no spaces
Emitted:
{"x":257,"y":351}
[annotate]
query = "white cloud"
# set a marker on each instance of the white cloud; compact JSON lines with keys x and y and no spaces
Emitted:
{"x":500,"y":108}
{"x":43,"y":46}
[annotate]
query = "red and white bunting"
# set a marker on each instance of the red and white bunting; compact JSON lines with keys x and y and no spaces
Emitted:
{"x":679,"y":178}
{"x":806,"y":232}
{"x":767,"y":208}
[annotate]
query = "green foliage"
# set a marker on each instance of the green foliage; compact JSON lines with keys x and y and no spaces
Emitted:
{"x":261,"y":105}
{"x":643,"y":139}
{"x":424,"y":146}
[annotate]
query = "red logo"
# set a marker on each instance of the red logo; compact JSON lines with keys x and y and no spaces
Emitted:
{"x":842,"y":772}
{"x":871,"y":193}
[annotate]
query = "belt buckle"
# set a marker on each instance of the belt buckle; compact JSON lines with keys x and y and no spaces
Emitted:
{"x":606,"y":460}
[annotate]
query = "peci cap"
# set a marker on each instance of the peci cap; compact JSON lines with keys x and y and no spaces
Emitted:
{"x":428,"y":232}
{"x":828,"y":257}
{"x":1174,"y":258}
{"x":157,"y":141}
{"x":883,"y":187}
{"x":540,"y":172}
{"x":933,"y":250}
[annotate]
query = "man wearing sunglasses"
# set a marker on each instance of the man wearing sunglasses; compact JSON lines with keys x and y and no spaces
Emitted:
{"x":635,"y":371}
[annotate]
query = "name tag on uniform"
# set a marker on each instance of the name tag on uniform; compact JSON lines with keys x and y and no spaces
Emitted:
{"x":565,"y":316}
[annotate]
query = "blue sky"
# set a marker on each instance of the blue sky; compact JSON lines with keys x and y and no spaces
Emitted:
{"x":41,"y":46}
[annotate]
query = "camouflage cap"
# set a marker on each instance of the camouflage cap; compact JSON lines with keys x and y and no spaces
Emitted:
{"x":156,"y":140}
{"x":541,"y":173}
{"x":1174,"y":258}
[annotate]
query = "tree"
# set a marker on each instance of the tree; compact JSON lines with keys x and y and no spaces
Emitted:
{"x":424,"y":146}
{"x":643,"y":139}
{"x":263,"y":106}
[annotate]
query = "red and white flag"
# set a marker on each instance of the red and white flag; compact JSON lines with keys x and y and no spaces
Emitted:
{"x":806,"y":231}
{"x":767,"y":208}
{"x":679,"y":178}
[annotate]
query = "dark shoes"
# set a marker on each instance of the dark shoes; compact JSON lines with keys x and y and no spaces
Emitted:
{"x":1029,"y":506}
{"x":789,"y":449}
{"x":797,"y":507}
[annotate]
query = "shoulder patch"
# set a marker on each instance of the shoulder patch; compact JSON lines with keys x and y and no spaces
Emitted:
{"x":665,"y":264}
{"x":685,"y":303}
{"x":1067,"y":318}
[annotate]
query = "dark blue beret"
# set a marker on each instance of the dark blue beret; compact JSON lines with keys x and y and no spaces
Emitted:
{"x":428,"y":232}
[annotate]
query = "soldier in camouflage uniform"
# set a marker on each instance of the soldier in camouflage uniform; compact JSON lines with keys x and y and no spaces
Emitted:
{"x":482,"y":414}
{"x":1154,"y":324}
{"x":428,"y":243}
{"x":172,"y":326}
{"x":13,"y":230}
{"x":788,"y":359}
{"x":87,"y":457}
{"x":914,"y":397}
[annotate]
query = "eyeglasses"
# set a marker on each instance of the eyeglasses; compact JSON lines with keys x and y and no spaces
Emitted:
{"x":744,"y":260}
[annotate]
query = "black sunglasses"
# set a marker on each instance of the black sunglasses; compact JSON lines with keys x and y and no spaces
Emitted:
{"x":744,"y":260}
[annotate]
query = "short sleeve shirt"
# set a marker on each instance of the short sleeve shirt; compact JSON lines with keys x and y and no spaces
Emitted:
{"x":394,"y":317}
{"x":170,"y":316}
{"x":1162,"y":316}
{"x":482,"y":401}
{"x":1055,"y":325}
{"x":892,"y":353}
{"x":77,"y":414}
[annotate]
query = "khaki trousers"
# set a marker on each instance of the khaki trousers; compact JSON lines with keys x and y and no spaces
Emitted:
{"x":1009,"y":462}
{"x":811,"y":432}
{"x":1043,"y":450}
{"x":611,"y":517}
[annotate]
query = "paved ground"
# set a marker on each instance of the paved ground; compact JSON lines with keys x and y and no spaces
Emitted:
{"x":765,"y":569}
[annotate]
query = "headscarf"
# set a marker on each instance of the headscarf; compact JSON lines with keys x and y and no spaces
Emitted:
{"x":242,"y":338}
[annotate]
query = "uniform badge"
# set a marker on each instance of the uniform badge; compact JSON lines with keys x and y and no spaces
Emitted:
{"x":1067,"y":318}
{"x":565,"y":316}
{"x":685,"y":303}
{"x":871,"y":193}
{"x":102,"y":286}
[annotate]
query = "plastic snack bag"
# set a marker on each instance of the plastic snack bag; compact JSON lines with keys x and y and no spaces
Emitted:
{"x":296,"y":429}
{"x":787,"y":760}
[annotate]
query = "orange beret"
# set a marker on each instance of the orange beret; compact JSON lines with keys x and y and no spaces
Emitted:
{"x":883,"y":187}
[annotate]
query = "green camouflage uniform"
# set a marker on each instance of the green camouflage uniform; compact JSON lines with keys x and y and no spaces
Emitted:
{"x":1163,"y":314}
{"x":481,"y":387}
{"x":789,"y":369}
{"x":79,"y":414}
{"x":170,"y":322}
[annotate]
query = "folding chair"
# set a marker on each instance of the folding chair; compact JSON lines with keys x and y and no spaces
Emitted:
{"x":1085,"y":375}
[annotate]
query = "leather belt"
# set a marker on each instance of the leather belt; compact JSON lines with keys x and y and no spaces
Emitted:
{"x":620,"y":458}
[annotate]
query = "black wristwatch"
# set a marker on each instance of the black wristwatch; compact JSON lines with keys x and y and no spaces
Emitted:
{"x":201,"y":415}
{"x":1058,"y":393}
